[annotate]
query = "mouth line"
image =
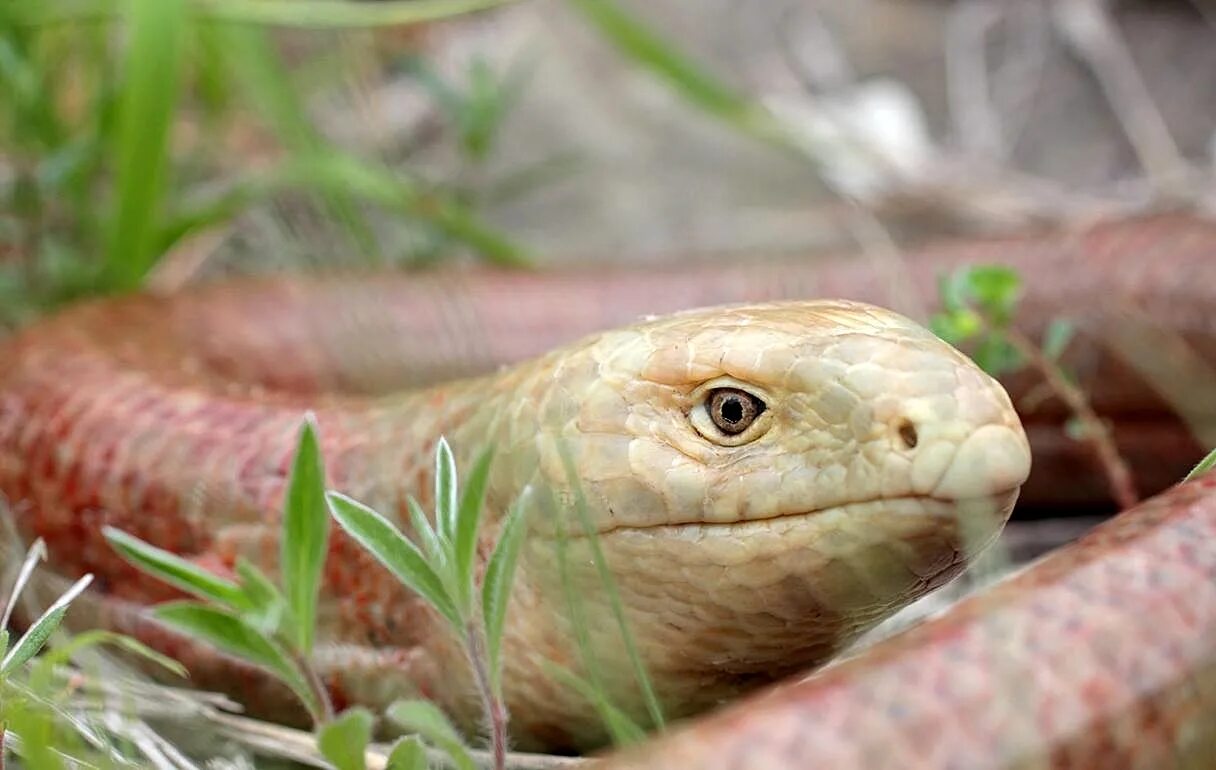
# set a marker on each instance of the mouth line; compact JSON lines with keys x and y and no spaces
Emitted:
{"x":687,"y":526}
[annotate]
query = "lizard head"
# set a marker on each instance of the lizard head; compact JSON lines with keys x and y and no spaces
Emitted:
{"x":764,"y":482}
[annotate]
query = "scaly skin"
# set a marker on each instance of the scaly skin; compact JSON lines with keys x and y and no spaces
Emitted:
{"x":737,"y":559}
{"x":1100,"y":656}
{"x":182,"y":430}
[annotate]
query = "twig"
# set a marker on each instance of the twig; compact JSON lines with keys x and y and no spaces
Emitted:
{"x":1118,"y":476}
{"x":968,"y":88}
{"x":1088,"y":27}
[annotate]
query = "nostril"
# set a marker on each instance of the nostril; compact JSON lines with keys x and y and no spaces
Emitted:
{"x":907,"y":434}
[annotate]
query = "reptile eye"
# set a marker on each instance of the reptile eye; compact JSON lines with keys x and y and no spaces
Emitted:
{"x":733,"y":410}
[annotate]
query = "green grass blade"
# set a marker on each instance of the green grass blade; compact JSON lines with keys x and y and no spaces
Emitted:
{"x":344,"y":740}
{"x":236,"y":637}
{"x":624,"y":731}
{"x":329,"y":14}
{"x":500,"y":573}
{"x":35,"y":554}
{"x":407,"y":754}
{"x":62,"y":653}
{"x":614,"y":596}
{"x":307,"y":14}
{"x":348,"y":175}
{"x":662,"y":58}
{"x":468,"y":524}
{"x":578,"y":617}
{"x":425,"y":719}
{"x":394,"y":551}
{"x":446,"y":508}
{"x":3,"y":642}
{"x":1205,"y":465}
{"x":42,"y":628}
{"x":305,"y":535}
{"x":175,"y":570}
{"x":151,"y":87}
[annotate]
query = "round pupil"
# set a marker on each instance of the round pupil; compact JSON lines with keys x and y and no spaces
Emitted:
{"x":732,"y":409}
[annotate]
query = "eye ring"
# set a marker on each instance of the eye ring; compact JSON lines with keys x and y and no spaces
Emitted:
{"x":729,"y":413}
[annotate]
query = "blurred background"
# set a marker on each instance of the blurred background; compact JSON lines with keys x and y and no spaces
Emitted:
{"x":156,"y":143}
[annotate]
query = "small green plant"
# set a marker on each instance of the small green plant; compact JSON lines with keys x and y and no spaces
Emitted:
{"x":979,"y":304}
{"x":441,"y":570}
{"x":273,"y":626}
{"x":33,"y":722}
{"x":250,"y":617}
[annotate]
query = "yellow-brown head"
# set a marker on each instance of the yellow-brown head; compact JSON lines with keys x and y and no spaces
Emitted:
{"x":766,"y":482}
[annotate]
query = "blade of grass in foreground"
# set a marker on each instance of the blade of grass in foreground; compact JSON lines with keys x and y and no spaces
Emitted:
{"x":1205,"y":465}
{"x":42,"y":628}
{"x":614,"y":596}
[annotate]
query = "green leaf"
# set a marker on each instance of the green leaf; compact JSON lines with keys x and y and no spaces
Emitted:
{"x":175,"y":570}
{"x":956,"y":326}
{"x":425,"y":719}
{"x":152,"y":73}
{"x":305,"y":535}
{"x":995,"y":288}
{"x":1059,"y":333}
{"x":42,"y":628}
{"x":1205,"y":465}
{"x":237,"y":637}
{"x":3,"y":642}
{"x":500,"y":573}
{"x":446,"y":508}
{"x":425,"y":532}
{"x":996,"y":355}
{"x":407,"y":754}
{"x":468,"y":523}
{"x":394,"y":551}
{"x":268,"y":608}
{"x":624,"y":731}
{"x":344,"y":740}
